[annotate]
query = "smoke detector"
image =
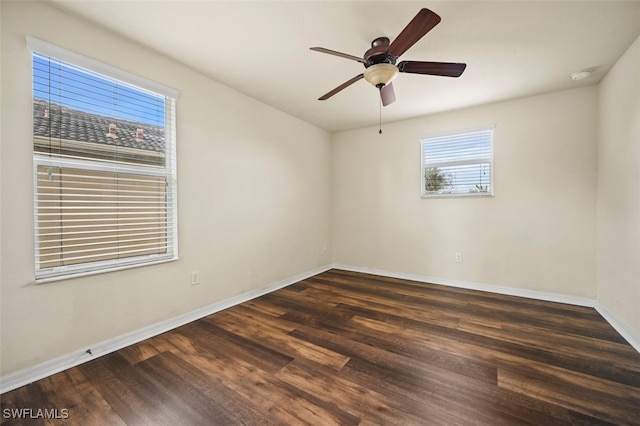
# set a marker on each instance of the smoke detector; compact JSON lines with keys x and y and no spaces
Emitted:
{"x":581,"y":75}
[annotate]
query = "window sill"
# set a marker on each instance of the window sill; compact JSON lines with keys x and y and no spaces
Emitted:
{"x":472,"y":195}
{"x":80,"y":274}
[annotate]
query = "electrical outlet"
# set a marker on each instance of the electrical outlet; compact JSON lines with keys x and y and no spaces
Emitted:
{"x":195,"y":278}
{"x":458,"y":257}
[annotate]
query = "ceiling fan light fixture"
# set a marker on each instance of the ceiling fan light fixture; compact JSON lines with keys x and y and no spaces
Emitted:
{"x":380,"y":60}
{"x":380,"y":75}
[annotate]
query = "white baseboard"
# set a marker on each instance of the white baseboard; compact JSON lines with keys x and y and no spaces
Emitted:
{"x":622,"y":328}
{"x":625,"y":331}
{"x":64,"y":362}
{"x":531,"y":294}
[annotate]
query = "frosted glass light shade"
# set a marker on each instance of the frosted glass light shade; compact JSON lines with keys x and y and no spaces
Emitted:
{"x":380,"y":74}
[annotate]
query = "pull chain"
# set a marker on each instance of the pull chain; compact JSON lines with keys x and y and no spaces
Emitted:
{"x":380,"y":118}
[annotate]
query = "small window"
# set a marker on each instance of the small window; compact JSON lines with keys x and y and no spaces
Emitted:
{"x":458,"y":164}
{"x":105,"y":183}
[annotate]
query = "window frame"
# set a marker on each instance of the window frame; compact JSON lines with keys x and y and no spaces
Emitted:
{"x":423,"y":141}
{"x":168,"y":171}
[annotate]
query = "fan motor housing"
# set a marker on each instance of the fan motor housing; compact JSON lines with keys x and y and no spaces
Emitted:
{"x":378,"y":53}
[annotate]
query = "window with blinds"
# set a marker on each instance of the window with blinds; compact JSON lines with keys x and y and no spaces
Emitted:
{"x":458,"y":164}
{"x":104,"y":152}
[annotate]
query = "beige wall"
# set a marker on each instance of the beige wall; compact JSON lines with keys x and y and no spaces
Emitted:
{"x":254,"y":200}
{"x":537,"y":233}
{"x":619,"y":190}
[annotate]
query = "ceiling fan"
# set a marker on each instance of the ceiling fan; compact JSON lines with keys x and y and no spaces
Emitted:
{"x":380,"y":60}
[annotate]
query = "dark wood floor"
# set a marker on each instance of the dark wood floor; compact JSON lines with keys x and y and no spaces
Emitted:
{"x":354,"y":349}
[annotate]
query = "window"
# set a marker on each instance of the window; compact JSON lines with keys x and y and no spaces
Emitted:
{"x":104,"y":154}
{"x":458,"y":164}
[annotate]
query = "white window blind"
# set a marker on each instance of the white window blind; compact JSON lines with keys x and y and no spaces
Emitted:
{"x":458,"y":163}
{"x":105,"y":181}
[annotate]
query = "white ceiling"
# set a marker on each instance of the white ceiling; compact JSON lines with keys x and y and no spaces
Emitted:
{"x":261,"y":48}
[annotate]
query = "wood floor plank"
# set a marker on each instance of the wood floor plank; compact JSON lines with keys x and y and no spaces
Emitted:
{"x":270,"y":336}
{"x":133,"y":398}
{"x":211,"y":337}
{"x":579,"y":398}
{"x":454,"y":399}
{"x":196,"y":399}
{"x":71,"y":390}
{"x":283,"y":402}
{"x":357,"y":400}
{"x":561,"y":344}
{"x":352,"y":298}
{"x":403,"y":343}
{"x":139,"y":352}
{"x":347,"y":348}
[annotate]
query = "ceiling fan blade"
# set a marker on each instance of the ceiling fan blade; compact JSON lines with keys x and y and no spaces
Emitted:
{"x":421,"y":24}
{"x":339,"y":88}
{"x":446,"y":69}
{"x":340,"y":54}
{"x":387,"y":94}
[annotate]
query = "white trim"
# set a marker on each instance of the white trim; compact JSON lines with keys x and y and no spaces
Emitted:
{"x":466,"y":131}
{"x":102,"y":267}
{"x":57,"y":52}
{"x":622,"y":328}
{"x":64,"y":362}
